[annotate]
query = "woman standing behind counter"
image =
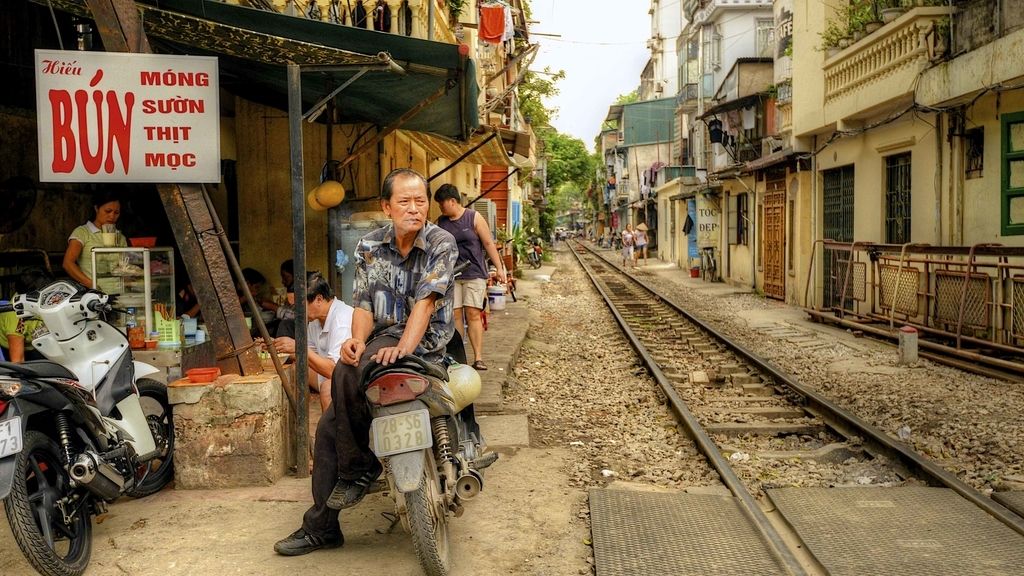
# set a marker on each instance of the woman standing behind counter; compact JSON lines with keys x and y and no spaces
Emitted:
{"x":78,"y":256}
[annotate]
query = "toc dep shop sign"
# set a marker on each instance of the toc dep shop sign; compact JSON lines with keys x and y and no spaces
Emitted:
{"x":115,"y":117}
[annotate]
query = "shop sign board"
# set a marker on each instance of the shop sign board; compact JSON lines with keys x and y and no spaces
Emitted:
{"x":115,"y":117}
{"x":707,"y":223}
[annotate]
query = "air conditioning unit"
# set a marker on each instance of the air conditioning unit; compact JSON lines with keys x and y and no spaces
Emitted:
{"x":489,"y":210}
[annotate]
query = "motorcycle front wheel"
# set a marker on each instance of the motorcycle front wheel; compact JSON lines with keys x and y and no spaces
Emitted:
{"x":155,"y":473}
{"x":54,"y":546}
{"x":428,"y":522}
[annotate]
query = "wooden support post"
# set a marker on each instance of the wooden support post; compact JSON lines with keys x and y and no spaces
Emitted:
{"x":120,"y":26}
{"x":207,"y":266}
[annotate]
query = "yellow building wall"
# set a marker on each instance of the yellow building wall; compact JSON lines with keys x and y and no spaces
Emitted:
{"x":980,"y":203}
{"x":867,"y":152}
{"x":800,"y":236}
{"x":264,"y":184}
{"x":808,"y":82}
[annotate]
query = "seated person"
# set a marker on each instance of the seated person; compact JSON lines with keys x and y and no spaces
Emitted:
{"x":260,"y":290}
{"x":330,"y":324}
{"x":286,"y":311}
{"x":403,"y":297}
{"x":261,"y":295}
{"x":16,"y":334}
{"x":186,"y":302}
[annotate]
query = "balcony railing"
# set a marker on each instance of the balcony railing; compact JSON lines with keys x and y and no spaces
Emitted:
{"x":419,"y":8}
{"x":902,"y":46}
{"x":687,"y":97}
{"x":785,"y":116}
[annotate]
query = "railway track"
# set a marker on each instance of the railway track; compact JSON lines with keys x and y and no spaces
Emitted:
{"x":757,"y":426}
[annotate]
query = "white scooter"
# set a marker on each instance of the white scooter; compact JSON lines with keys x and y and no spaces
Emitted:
{"x":77,"y":430}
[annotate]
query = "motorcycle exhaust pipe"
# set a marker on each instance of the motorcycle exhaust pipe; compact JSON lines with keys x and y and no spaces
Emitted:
{"x":468,"y":485}
{"x":97,"y":476}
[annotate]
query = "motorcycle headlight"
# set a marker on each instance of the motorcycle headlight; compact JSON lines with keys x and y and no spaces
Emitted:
{"x":9,"y":387}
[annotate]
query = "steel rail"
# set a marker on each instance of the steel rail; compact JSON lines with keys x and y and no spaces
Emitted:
{"x":704,"y":442}
{"x":876,"y":441}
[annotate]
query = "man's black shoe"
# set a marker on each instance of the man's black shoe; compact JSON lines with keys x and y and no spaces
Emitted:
{"x":348,"y":493}
{"x":300,"y":542}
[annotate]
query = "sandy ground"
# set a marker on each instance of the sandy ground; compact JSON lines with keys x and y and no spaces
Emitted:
{"x":523,"y":523}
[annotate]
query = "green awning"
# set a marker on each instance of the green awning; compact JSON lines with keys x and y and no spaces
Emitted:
{"x":254,"y":47}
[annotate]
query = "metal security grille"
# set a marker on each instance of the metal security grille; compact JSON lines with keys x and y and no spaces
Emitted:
{"x":838,"y":226}
{"x":1018,"y":309}
{"x":897,"y":199}
{"x":955,"y":302}
{"x":900,"y":286}
{"x":774,"y":243}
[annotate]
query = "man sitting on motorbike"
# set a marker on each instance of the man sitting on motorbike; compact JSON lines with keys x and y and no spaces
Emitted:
{"x":403,"y":305}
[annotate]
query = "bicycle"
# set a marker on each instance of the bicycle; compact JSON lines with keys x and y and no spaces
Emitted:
{"x":708,"y":265}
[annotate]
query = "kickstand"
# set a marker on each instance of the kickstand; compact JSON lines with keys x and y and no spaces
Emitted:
{"x":390,"y":517}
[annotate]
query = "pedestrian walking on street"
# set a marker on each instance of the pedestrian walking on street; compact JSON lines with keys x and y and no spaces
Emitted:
{"x":640,"y":239}
{"x":474,"y":239}
{"x":628,"y":240}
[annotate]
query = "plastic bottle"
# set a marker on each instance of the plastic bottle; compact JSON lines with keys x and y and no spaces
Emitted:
{"x":130,"y":321}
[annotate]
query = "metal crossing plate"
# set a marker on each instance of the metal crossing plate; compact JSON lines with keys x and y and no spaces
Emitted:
{"x":674,"y":534}
{"x":917,"y":531}
{"x":1012,"y":500}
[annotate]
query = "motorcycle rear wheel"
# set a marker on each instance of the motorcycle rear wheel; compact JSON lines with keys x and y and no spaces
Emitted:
{"x":53,"y":547}
{"x":428,"y":523}
{"x":157,"y":472}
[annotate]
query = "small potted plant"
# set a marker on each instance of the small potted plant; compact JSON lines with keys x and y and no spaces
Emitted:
{"x":832,"y":37}
{"x":859,"y":15}
{"x":940,"y":38}
{"x":873,"y":19}
{"x":890,"y":10}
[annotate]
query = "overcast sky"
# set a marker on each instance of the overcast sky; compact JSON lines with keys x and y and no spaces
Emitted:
{"x":602,"y":50}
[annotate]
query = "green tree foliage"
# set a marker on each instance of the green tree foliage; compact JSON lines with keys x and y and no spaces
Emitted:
{"x":571,"y":173}
{"x":627,"y":98}
{"x":533,"y":90}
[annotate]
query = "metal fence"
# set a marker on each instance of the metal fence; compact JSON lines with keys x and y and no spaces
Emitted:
{"x":967,"y":297}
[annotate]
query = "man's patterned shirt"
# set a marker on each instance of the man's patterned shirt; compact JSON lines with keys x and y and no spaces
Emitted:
{"x":388,"y":285}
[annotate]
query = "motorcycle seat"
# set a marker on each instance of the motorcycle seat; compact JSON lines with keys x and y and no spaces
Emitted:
{"x":406,"y":364}
{"x":38,"y":369}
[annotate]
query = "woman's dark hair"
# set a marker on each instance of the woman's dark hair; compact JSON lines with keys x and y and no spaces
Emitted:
{"x":389,"y":181}
{"x":316,"y":285}
{"x":101,"y":198}
{"x":32,"y":279}
{"x":447,"y":191}
{"x":253,"y":276}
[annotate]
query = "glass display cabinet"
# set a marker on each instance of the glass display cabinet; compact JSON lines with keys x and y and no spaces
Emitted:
{"x":143,"y":279}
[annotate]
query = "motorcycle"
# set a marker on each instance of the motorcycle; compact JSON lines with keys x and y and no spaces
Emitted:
{"x":424,"y":430}
{"x":536,"y":255}
{"x":77,"y":430}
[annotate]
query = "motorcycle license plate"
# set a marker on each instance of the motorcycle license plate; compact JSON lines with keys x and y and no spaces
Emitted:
{"x":10,"y":437}
{"x":399,"y":433}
